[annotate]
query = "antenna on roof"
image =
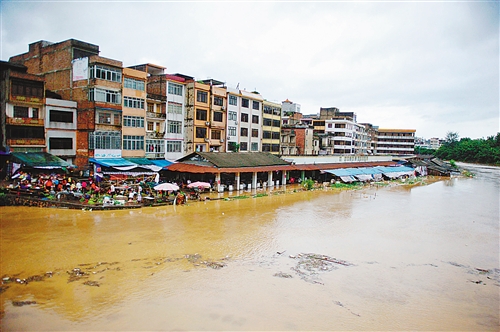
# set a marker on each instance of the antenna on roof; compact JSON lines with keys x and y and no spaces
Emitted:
{"x":238,"y":86}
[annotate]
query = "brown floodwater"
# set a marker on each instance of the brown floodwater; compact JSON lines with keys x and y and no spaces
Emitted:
{"x":397,"y":257}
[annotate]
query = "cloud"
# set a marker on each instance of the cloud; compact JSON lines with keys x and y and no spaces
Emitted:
{"x":431,"y":66}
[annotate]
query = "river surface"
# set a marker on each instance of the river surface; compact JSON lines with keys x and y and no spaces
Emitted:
{"x":397,"y":257}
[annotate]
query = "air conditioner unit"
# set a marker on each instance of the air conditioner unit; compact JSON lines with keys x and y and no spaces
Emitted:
{"x":222,"y":108}
{"x":207,"y":140}
{"x":207,"y":123}
{"x":235,"y":122}
{"x":222,"y":140}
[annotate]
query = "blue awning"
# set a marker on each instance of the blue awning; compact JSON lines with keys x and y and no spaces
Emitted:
{"x":369,"y":170}
{"x":161,"y":162}
{"x":112,"y":162}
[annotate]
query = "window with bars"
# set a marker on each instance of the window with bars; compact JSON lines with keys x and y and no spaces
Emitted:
{"x":174,"y":146}
{"x":60,"y":143}
{"x":218,"y":101}
{"x":244,"y":102}
{"x":255,"y":132}
{"x":105,"y":73}
{"x":218,"y":116}
{"x":131,"y":142}
{"x":255,"y":119}
{"x":231,"y":131}
{"x":255,"y":105}
{"x":231,"y":115}
{"x":174,"y":89}
{"x":105,"y":96}
{"x":201,"y":96}
{"x":25,"y":88}
{"x":133,"y":121}
{"x":175,"y":127}
{"x":174,"y":108}
{"x":21,"y":112}
{"x":105,"y":140}
{"x":233,"y":100}
{"x":244,"y":132}
{"x":133,"y":102}
{"x":132,"y":83}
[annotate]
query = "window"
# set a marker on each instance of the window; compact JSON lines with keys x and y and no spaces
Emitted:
{"x":104,"y":117}
{"x":255,"y":105}
{"x":34,"y":113}
{"x":106,"y":96}
{"x":155,"y":146}
{"x":174,"y":89}
{"x":255,"y":119}
{"x":174,"y":146}
{"x":218,"y":101}
{"x":25,"y":132}
{"x":151,"y":107}
{"x":20,"y":112}
{"x":233,"y":100}
{"x":218,"y":116}
{"x":244,"y":132}
{"x":255,"y":146}
{"x":231,"y":115}
{"x":28,"y":89}
{"x":106,"y":73}
{"x":105,"y":140}
{"x":201,"y":115}
{"x":151,"y":126}
{"x":267,"y":122}
{"x":131,"y":142}
{"x":216,"y":134}
{"x":268,"y":109}
{"x":60,"y":143}
{"x":174,"y":108}
{"x":276,"y":123}
{"x":255,"y":132}
{"x":266,"y":147}
{"x":243,"y":146}
{"x":201,"y":96}
{"x":131,"y":83}
{"x":266,"y":134}
{"x":244,"y":102}
{"x":175,"y":127}
{"x":244,"y":117}
{"x":60,"y":116}
{"x":201,"y":132}
{"x":133,"y":102}
{"x":276,"y":135}
{"x":231,"y":131}
{"x":133,"y":121}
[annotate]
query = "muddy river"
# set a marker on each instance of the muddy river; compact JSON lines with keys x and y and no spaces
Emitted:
{"x":396,"y":257}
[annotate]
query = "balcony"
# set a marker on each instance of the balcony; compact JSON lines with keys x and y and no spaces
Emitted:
{"x":25,"y":121}
{"x":153,"y":115}
{"x":155,"y":134}
{"x":25,"y":141}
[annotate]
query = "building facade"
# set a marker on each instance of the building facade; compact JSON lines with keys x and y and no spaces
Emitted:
{"x":271,"y":127}
{"x":395,"y":141}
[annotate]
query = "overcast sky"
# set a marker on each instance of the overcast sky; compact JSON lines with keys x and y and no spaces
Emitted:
{"x":429,"y":66}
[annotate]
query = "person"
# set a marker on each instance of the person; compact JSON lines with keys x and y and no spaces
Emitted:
{"x":139,"y":198}
{"x":112,"y":190}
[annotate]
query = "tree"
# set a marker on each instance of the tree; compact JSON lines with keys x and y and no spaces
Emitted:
{"x":451,"y":137}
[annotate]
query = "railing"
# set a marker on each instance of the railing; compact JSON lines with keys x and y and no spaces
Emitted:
{"x":155,"y":134}
{"x":156,"y":115}
{"x":26,"y":141}
{"x":25,"y":121}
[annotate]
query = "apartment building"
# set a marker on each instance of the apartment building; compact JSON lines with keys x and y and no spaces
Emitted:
{"x":22,"y":110}
{"x":250,"y":121}
{"x":74,"y":70}
{"x":271,"y":127}
{"x":395,"y":141}
{"x":134,"y":113}
{"x":61,"y":128}
{"x":233,"y":116}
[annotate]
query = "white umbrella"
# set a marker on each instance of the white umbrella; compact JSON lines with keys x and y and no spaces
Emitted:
{"x":199,"y":184}
{"x":166,"y":187}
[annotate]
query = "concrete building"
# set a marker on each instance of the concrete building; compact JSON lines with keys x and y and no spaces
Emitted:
{"x":395,"y":141}
{"x":134,"y":113}
{"x":61,"y":128}
{"x":233,"y":119}
{"x":22,"y":103}
{"x":74,"y":70}
{"x":250,"y":121}
{"x":271,"y":127}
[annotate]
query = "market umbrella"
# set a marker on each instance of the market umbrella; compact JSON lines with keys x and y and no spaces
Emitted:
{"x":166,"y":187}
{"x":199,"y":184}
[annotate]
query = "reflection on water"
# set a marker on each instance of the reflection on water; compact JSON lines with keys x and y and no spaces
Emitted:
{"x":420,"y":258}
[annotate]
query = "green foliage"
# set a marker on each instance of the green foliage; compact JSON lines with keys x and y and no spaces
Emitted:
{"x":341,"y":185}
{"x":483,"y":151}
{"x":3,"y":199}
{"x":453,"y":163}
{"x":308,"y":184}
{"x":425,"y":151}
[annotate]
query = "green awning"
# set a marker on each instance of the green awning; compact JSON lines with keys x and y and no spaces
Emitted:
{"x":39,"y":160}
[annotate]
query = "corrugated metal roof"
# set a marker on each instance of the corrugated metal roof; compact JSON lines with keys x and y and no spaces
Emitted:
{"x":40,"y":159}
{"x":234,"y":159}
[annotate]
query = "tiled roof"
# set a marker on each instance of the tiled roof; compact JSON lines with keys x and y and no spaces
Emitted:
{"x":234,"y":159}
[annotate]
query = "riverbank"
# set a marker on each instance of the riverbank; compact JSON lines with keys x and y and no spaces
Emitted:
{"x":28,"y":198}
